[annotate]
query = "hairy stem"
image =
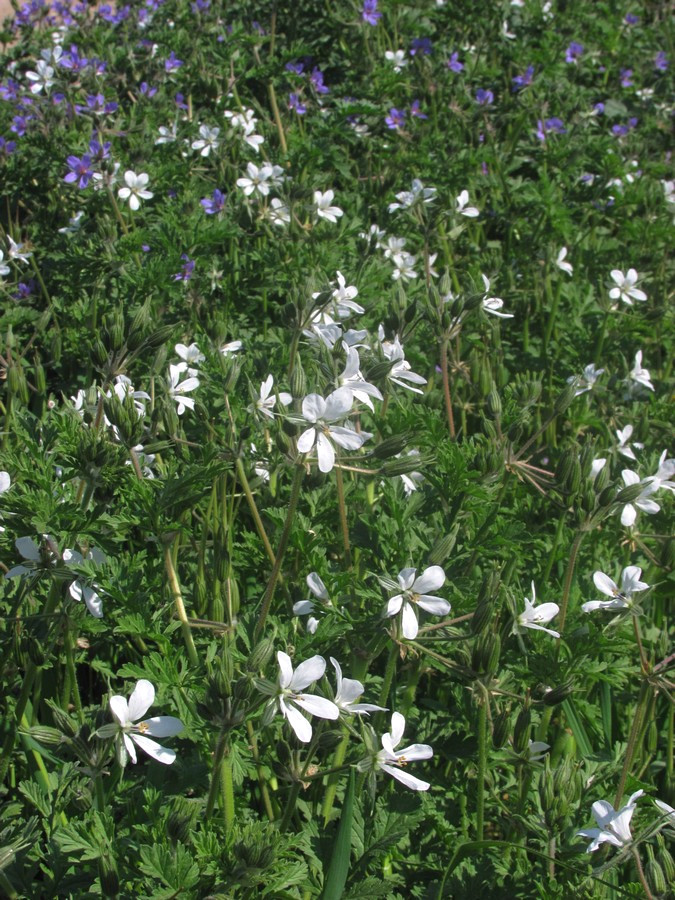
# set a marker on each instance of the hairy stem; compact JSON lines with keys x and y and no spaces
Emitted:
{"x":177,"y":595}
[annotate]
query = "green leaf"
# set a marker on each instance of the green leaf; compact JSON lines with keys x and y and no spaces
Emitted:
{"x":336,"y":878}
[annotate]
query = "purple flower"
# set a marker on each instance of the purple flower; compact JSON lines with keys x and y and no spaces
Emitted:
{"x":72,"y":60}
{"x":415,"y":111}
{"x":661,"y":61}
{"x":296,"y":67}
{"x":24,"y":289}
{"x":172,"y":63}
{"x":553,"y":125}
{"x":9,"y":90}
{"x":484,"y":98}
{"x":256,"y":26}
{"x":7,"y":147}
{"x":619,"y":130}
{"x":632,"y":122}
{"x":454,"y":64}
{"x":369,"y":14}
{"x":573,"y":52}
{"x":99,"y":151}
{"x":521,"y":81}
{"x":57,"y":98}
{"x":180,"y":101}
{"x":200,"y":6}
{"x":626,"y":78}
{"x":631,"y":19}
{"x":296,"y":104}
{"x":187,"y":269}
{"x":420,"y":45}
{"x":484,"y":168}
{"x":19,"y":125}
{"x":213,"y":204}
{"x":97,"y":103}
{"x":599,"y":108}
{"x":80,"y":170}
{"x":317,"y":81}
{"x":395,"y":119}
{"x":147,"y":91}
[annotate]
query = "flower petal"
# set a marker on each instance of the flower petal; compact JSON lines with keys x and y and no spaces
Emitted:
{"x":409,"y":625}
{"x":605,"y":584}
{"x":120,"y":709}
{"x":430,"y":580}
{"x":153,"y":749}
{"x":163,"y":726}
{"x":317,"y":706}
{"x":415,"y":784}
{"x":300,"y":725}
{"x":285,"y":669}
{"x":434,"y":605}
{"x":325,"y":453}
{"x":141,"y":700}
{"x":307,"y":673}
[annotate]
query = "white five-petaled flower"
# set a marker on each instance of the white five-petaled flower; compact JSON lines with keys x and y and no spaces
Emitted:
{"x":586,"y":380}
{"x":43,"y":77}
{"x":178,"y":388}
{"x":400,"y":372}
{"x":664,"y":474}
{"x":323,"y":414}
{"x":135,"y":189}
{"x":34,"y":555}
{"x":353,"y":379}
{"x":393,"y":761}
{"x":493,"y":305}
{"x":266,"y":402}
{"x":532,"y":616}
{"x":397,"y":58}
{"x":323,"y":206}
{"x":278,"y":213}
{"x":348,"y":691}
{"x":625,"y":287}
{"x":133,"y":732}
{"x":621,"y":597}
{"x":260,"y":179}
{"x":417,"y":194}
{"x":191,"y":354}
{"x":625,"y":448}
{"x":81,"y":591}
{"x":561,"y":262}
{"x":469,"y":211}
{"x":642,"y":502}
{"x":307,"y":607}
{"x":640,"y":375}
{"x":17,"y":252}
{"x":404,"y":267}
{"x":291,"y":701}
{"x":614,"y":827}
{"x":207,"y":141}
{"x":167,"y":135}
{"x":414,"y":593}
{"x":231,"y":347}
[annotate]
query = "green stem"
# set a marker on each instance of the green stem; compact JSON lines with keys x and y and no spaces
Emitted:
{"x":215,"y":776}
{"x":264,"y":792}
{"x":227,"y":792}
{"x":331,"y":787}
{"x":567,"y":583}
{"x":481,"y":729}
{"x":342,"y":507}
{"x":277,"y":118}
{"x":180,"y":606}
{"x":446,"y":387}
{"x":8,"y":744}
{"x":283,"y":544}
{"x":641,"y":875}
{"x":388,"y":677}
{"x":632,"y":741}
{"x":260,"y":528}
{"x":72,"y":673}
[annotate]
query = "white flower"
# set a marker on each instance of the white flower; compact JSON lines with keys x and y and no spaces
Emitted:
{"x":400,"y":372}
{"x":208,"y":140}
{"x":640,"y":375}
{"x":348,"y":691}
{"x":397,"y":58}
{"x":393,"y":247}
{"x":393,"y":762}
{"x":42,"y":78}
{"x":621,"y":597}
{"x":664,"y":474}
{"x":469,"y":211}
{"x":492,"y":305}
{"x":191,"y":355}
{"x":561,"y":264}
{"x":614,"y":826}
{"x":374,"y":235}
{"x":353,"y":379}
{"x":278,"y":213}
{"x":259,"y":179}
{"x":135,"y":189}
{"x":266,"y":402}
{"x":411,"y":479}
{"x":322,"y":414}
{"x":414,"y":594}
{"x":80,"y":590}
{"x":167,"y":135}
{"x":31,"y":552}
{"x":625,"y":287}
{"x":307,"y":607}
{"x":4,"y":268}
{"x":133,"y":732}
{"x":291,"y":702}
{"x":625,"y":447}
{"x":537,"y":750}
{"x":668,"y":811}
{"x":404,"y":263}
{"x":17,"y":252}
{"x":417,"y":194}
{"x":629,"y":512}
{"x":586,"y":380}
{"x":323,"y":207}
{"x":343,"y":301}
{"x":231,"y":347}
{"x":178,"y":388}
{"x":5,"y":482}
{"x":73,"y":226}
{"x":532,"y":616}
{"x":103,"y":180}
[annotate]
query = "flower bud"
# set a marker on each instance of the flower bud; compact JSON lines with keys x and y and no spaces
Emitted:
{"x":521,"y":732}
{"x":260,"y":656}
{"x":242,"y":689}
{"x":298,"y":379}
{"x":486,"y":652}
{"x":403,"y":465}
{"x":99,"y":353}
{"x":607,"y":497}
{"x":494,"y":404}
{"x":108,"y":876}
{"x":501,"y":728}
{"x":564,"y":399}
{"x":485,"y":379}
{"x":216,"y":603}
{"x":392,"y":446}
{"x":443,"y":548}
{"x":557,"y":694}
{"x":378,"y":371}
{"x":656,"y":876}
{"x":601,"y":480}
{"x":630,"y":493}
{"x":667,"y":863}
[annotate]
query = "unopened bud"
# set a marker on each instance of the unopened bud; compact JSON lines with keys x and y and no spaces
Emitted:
{"x":443,"y":548}
{"x":630,"y":493}
{"x":298,"y":379}
{"x":485,"y":379}
{"x":403,"y":465}
{"x":521,"y":732}
{"x":260,"y":656}
{"x":564,"y":399}
{"x":557,"y":694}
{"x":501,"y":728}
{"x":656,"y":877}
{"x":494,"y":404}
{"x":391,"y":446}
{"x":108,"y":876}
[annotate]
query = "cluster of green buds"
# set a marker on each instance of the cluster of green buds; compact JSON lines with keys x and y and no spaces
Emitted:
{"x":560,"y":791}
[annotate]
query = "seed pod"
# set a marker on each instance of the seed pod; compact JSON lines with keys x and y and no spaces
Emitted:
{"x":601,"y":480}
{"x":482,"y":617}
{"x":379,"y":370}
{"x":652,"y":737}
{"x":99,"y":353}
{"x":564,"y":746}
{"x":445,"y":284}
{"x":216,"y":605}
{"x":404,"y":465}
{"x":232,"y":593}
{"x":607,"y":497}
{"x":503,"y":376}
{"x":46,"y":735}
{"x":290,"y":428}
{"x":557,"y":694}
{"x":656,"y":876}
{"x":494,"y":404}
{"x":501,"y":729}
{"x":242,"y":689}
{"x":200,"y":594}
{"x":565,"y":467}
{"x":667,"y":864}
{"x":443,"y":548}
{"x":486,"y":652}
{"x":485,"y":379}
{"x":547,"y":794}
{"x":56,"y":346}
{"x":521,"y":732}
